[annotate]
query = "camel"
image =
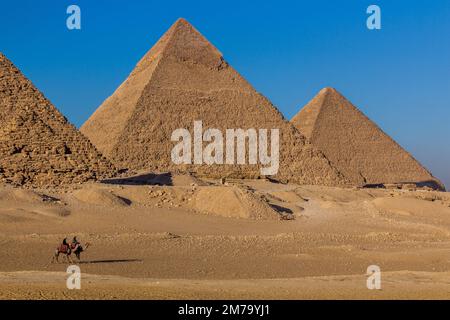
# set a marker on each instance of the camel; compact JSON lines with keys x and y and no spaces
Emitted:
{"x":66,"y":250}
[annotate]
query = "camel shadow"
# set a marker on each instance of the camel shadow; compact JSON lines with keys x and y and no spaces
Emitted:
{"x":110,"y":261}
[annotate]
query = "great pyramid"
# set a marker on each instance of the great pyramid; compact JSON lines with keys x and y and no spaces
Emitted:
{"x":357,"y":146}
{"x":38,"y":146}
{"x":184,"y":78}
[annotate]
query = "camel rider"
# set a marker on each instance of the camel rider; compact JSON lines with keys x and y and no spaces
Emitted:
{"x":64,"y":247}
{"x":76,"y":247}
{"x":75,"y":244}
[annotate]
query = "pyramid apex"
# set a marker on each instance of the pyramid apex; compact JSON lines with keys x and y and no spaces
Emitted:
{"x":182,"y":20}
{"x":185,"y":42}
{"x":328,"y":90}
{"x":181,"y":24}
{"x":331,"y":93}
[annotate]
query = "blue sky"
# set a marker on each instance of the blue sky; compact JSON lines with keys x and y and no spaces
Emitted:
{"x":399,"y":76}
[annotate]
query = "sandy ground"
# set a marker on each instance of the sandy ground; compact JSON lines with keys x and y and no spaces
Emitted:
{"x":163,"y":242}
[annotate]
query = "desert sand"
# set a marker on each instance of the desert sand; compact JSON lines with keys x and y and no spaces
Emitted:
{"x":180,"y":237}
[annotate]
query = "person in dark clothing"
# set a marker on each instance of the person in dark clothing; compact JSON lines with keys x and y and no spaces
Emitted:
{"x":77,"y":248}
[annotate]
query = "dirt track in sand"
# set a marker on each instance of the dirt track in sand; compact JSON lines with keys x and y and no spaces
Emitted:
{"x":149,"y":236}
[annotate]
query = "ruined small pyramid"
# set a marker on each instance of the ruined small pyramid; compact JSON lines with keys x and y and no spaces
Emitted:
{"x":38,"y":146}
{"x":357,"y":146}
{"x":184,"y":78}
